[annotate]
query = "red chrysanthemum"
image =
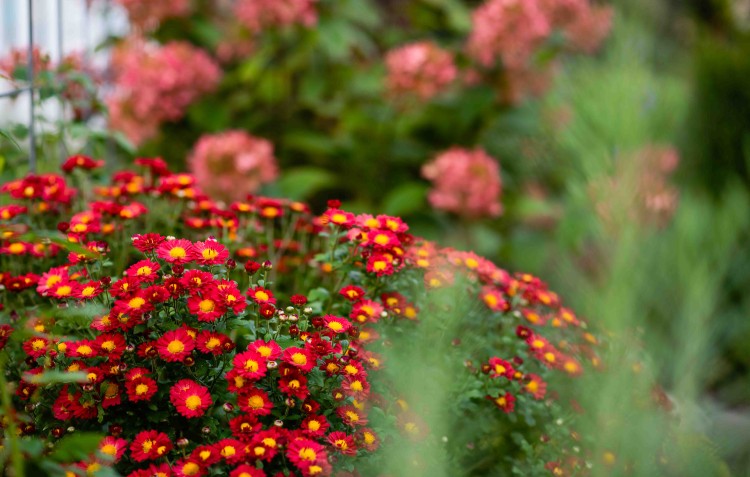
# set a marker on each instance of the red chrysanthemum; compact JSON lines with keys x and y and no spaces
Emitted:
{"x":250,"y":365}
{"x":187,"y":468}
{"x":231,"y":296}
{"x":269,"y":350}
{"x":352,"y":293}
{"x":299,"y":358}
{"x":244,"y":427}
{"x":351,"y":416}
{"x":208,"y":306}
{"x":210,"y":252}
{"x":506,"y":402}
{"x":113,"y":447}
{"x":342,"y":442}
{"x":264,"y":445}
{"x":366,"y":311}
{"x":535,"y":386}
{"x":245,"y":470}
{"x":254,"y":401}
{"x":175,"y":345}
{"x":231,"y":450}
{"x":294,"y":385}
{"x":176,"y":251}
{"x":261,"y":295}
{"x":150,"y":445}
{"x":500,"y":368}
{"x":367,"y":438}
{"x":305,"y":452}
{"x":356,"y":386}
{"x":213,"y":342}
{"x":190,"y":398}
{"x":141,"y":389}
{"x":315,"y":426}
{"x":144,"y":270}
{"x":336,"y":324}
{"x":36,"y":346}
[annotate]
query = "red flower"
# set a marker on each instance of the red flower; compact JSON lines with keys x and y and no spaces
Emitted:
{"x":111,"y":345}
{"x":337,"y":324}
{"x":294,"y":385}
{"x":210,"y":252}
{"x":231,"y":296}
{"x":212,"y":342}
{"x":367,"y":438}
{"x":244,"y":427}
{"x":342,"y":442}
{"x":190,"y":398}
{"x":176,"y":251}
{"x":36,"y":347}
{"x":150,"y":445}
{"x":196,"y":279}
{"x":81,"y":349}
{"x":269,"y":350}
{"x":366,"y":310}
{"x":245,"y":470}
{"x":500,"y":367}
{"x":255,"y":402}
{"x":380,"y":264}
{"x":231,"y":450}
{"x":264,"y":445}
{"x":260,"y":295}
{"x":89,"y":290}
{"x":299,"y":358}
{"x":356,"y":386}
{"x":207,"y":307}
{"x":113,"y":447}
{"x":305,"y":452}
{"x":506,"y":402}
{"x":315,"y":426}
{"x":144,"y":270}
{"x":141,"y":389}
{"x":337,"y":217}
{"x":80,"y":162}
{"x":351,"y":416}
{"x":535,"y":386}
{"x":298,"y":300}
{"x":250,"y":365}
{"x":352,"y":293}
{"x":175,"y":345}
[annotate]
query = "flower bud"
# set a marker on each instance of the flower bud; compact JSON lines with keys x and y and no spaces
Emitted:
{"x":278,"y":423}
{"x":231,"y":264}
{"x":228,"y":407}
{"x":189,"y":361}
{"x":63,"y":226}
{"x":317,"y":322}
{"x":57,"y":432}
{"x":272,"y":364}
{"x":182,"y":442}
{"x":293,"y":330}
{"x":206,"y":430}
{"x":267,"y":265}
{"x":115,"y":430}
{"x":251,"y":267}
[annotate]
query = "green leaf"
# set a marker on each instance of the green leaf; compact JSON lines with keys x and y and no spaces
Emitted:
{"x":56,"y":377}
{"x":209,"y":115}
{"x":74,"y":447}
{"x":405,"y":199}
{"x":302,"y":182}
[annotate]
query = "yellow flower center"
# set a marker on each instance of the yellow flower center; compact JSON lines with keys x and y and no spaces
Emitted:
{"x":148,"y":444}
{"x":264,"y":351}
{"x":84,"y":350}
{"x":193,"y":402}
{"x":64,"y":290}
{"x":381,"y":239}
{"x":299,"y":358}
{"x":369,"y":437}
{"x":251,"y":365}
{"x":109,"y":449}
{"x":141,"y":389}
{"x":206,"y":306}
{"x":16,"y":248}
{"x":228,"y":451}
{"x":145,"y":270}
{"x":269,"y":442}
{"x":261,"y":296}
{"x":356,"y":386}
{"x":294,"y":384}
{"x":213,"y":343}
{"x":341,"y":444}
{"x":313,"y":425}
{"x":88,"y":291}
{"x":177,"y":252}
{"x":38,"y":345}
{"x":256,"y":402}
{"x":53,"y":280}
{"x":136,"y":303}
{"x":108,"y":345}
{"x":307,"y":453}
{"x":335,"y":326}
{"x":176,"y":347}
{"x":353,"y":416}
{"x":209,"y":254}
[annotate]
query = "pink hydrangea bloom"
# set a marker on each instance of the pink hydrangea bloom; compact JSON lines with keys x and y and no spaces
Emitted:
{"x":507,"y":30}
{"x":229,"y":165}
{"x":148,"y":14}
{"x":259,"y":14}
{"x":421,"y":68}
{"x":156,"y":84}
{"x":585,"y":25}
{"x":465,"y":182}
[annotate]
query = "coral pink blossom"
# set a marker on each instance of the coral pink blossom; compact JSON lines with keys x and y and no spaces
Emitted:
{"x":465,"y":182}
{"x":154,"y":84}
{"x":421,"y":68}
{"x":147,"y":14}
{"x":259,"y":14}
{"x":232,"y":164}
{"x":585,"y":25}
{"x":507,"y":30}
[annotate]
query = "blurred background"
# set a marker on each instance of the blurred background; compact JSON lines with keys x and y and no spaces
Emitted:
{"x":601,"y":145}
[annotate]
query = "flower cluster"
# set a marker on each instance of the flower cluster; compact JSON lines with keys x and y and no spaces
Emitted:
{"x":155,"y":84}
{"x":146,"y":14}
{"x":232,"y":164}
{"x":421,"y":68}
{"x":465,"y":182}
{"x":511,"y":32}
{"x":194,"y":365}
{"x":258,"y":15}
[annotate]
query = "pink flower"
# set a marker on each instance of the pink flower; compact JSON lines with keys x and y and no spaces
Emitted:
{"x":154,"y":84}
{"x":232,"y":164}
{"x":259,"y":14}
{"x":147,"y":14}
{"x":421,"y":68}
{"x":507,"y":30}
{"x":585,"y":25}
{"x":465,"y":182}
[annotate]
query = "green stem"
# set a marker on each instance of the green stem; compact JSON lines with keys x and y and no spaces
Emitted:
{"x":11,"y":434}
